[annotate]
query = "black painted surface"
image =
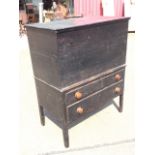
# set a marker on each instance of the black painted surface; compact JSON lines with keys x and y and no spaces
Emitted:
{"x":77,"y":55}
{"x":80,"y":55}
{"x":73,"y":24}
{"x":93,"y":102}
{"x":64,"y":58}
{"x":92,"y":86}
{"x":52,"y":100}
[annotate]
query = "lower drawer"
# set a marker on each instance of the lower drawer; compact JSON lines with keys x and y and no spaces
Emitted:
{"x":91,"y":104}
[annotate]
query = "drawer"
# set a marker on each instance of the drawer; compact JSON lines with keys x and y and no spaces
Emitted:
{"x":93,"y":86}
{"x":93,"y":103}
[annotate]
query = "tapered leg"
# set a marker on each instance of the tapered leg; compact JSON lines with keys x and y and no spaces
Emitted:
{"x":42,"y":116}
{"x":121,"y":103}
{"x":66,"y":137}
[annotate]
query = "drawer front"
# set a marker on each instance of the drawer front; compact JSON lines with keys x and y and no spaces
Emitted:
{"x":83,"y":91}
{"x":93,"y":103}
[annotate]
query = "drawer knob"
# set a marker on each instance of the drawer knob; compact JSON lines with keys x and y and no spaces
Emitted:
{"x":117,"y":77}
{"x":78,"y":95}
{"x":117,"y":90}
{"x":79,"y":110}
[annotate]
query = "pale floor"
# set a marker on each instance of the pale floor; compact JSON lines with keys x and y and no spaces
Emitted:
{"x":107,"y":132}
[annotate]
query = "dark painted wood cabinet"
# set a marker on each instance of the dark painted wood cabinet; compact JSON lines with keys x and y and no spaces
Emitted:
{"x":79,"y":66}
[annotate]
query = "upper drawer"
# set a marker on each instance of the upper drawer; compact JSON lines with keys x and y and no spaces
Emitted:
{"x":93,"y":103}
{"x":85,"y":90}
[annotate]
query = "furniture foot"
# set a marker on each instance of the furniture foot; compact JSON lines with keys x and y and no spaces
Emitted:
{"x":42,"y":116}
{"x":66,"y":137}
{"x":121,"y":103}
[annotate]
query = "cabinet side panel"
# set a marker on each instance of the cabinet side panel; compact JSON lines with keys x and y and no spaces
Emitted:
{"x":52,"y":101}
{"x":43,"y":49}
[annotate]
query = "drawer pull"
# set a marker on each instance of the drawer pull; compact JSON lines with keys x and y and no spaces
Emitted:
{"x":117,"y":77}
{"x":78,"y":95}
{"x":117,"y":90}
{"x":79,"y":110}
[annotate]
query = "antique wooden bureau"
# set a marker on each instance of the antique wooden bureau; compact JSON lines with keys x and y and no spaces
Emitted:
{"x":79,"y":67}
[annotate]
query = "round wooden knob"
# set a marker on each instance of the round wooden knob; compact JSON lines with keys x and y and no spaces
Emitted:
{"x":117,"y":90}
{"x":79,"y":110}
{"x":78,"y":95}
{"x":117,"y":77}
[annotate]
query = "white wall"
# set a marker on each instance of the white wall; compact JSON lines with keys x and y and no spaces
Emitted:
{"x":130,"y":12}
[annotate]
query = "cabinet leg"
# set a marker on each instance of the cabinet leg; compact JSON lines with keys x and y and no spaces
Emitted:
{"x":42,"y":116}
{"x":66,"y":137}
{"x":121,"y":103}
